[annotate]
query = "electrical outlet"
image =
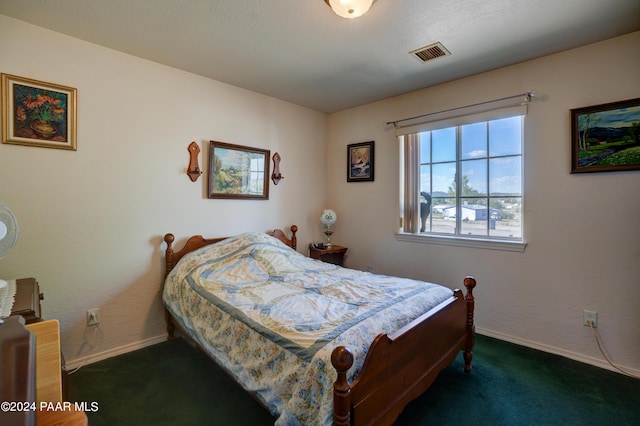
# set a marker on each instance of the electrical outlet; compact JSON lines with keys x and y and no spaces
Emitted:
{"x":92,"y":317}
{"x":590,"y":316}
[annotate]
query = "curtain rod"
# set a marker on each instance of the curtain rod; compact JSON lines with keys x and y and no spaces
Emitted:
{"x":526,"y":98}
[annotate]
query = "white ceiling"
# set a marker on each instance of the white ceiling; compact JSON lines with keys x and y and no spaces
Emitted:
{"x":300,"y":51}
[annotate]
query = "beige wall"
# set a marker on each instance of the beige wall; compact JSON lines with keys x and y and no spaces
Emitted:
{"x":92,"y":221}
{"x":582,"y":230}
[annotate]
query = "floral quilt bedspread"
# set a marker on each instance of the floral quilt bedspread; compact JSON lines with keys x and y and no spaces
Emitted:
{"x":271,"y":317}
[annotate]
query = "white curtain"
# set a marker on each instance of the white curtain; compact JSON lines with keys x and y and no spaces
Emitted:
{"x":411,"y":211}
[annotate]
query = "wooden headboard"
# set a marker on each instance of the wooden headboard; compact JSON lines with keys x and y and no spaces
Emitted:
{"x":197,"y":241}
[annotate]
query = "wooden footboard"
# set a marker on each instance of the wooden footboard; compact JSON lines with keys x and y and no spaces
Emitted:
{"x":401,"y":366}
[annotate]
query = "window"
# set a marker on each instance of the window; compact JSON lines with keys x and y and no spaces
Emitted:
{"x":254,"y":182}
{"x":463,"y":181}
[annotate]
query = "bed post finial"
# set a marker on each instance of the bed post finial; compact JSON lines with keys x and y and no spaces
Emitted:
{"x":342,"y":360}
{"x":469,"y":283}
{"x":294,"y":239}
{"x":168,"y":253}
{"x":169,"y":264}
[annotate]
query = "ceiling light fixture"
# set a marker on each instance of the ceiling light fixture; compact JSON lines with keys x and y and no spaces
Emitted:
{"x":349,"y":8}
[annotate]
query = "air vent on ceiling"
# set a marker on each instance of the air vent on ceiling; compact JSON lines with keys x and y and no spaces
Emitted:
{"x":431,"y":52}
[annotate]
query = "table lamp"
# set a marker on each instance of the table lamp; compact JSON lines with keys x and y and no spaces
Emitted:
{"x":328,"y":218}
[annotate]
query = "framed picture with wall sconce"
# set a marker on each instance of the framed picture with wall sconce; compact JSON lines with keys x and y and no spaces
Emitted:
{"x":606,"y":137}
{"x":360,"y":162}
{"x":237,"y":171}
{"x":35,"y":113}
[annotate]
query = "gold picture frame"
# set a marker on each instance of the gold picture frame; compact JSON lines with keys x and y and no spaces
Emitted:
{"x":237,"y":171}
{"x":36,"y":113}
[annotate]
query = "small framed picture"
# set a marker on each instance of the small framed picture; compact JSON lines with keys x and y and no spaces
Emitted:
{"x":360,"y":162}
{"x":237,"y":171}
{"x":606,"y":138}
{"x":35,"y":113}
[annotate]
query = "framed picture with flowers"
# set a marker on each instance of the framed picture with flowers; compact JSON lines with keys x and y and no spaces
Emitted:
{"x":35,"y":113}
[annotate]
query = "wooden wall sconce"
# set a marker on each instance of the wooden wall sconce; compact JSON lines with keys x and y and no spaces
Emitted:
{"x":194,"y":171}
{"x":276,"y":175}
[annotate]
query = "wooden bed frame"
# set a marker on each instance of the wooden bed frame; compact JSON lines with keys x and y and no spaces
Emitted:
{"x":399,"y":366}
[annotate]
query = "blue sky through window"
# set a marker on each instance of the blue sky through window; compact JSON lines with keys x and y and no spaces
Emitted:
{"x":490,"y":153}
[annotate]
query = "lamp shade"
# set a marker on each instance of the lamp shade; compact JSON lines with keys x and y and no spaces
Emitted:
{"x":350,"y":8}
{"x":328,"y":217}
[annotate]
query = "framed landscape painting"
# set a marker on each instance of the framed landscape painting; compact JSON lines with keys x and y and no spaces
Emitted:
{"x":35,"y":113}
{"x":606,"y":138}
{"x":237,"y":171}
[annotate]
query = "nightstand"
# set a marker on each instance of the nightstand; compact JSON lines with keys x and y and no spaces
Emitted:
{"x":27,"y":300}
{"x":333,"y":255}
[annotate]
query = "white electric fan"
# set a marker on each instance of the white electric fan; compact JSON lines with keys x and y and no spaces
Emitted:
{"x":8,"y":234}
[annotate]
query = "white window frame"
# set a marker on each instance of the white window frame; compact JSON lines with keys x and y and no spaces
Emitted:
{"x":456,"y":118}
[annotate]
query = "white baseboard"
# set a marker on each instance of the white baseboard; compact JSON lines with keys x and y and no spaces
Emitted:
{"x":596,"y":362}
{"x":79,"y":362}
{"x":90,"y":359}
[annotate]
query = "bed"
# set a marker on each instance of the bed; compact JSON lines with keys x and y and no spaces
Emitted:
{"x":313,"y":342}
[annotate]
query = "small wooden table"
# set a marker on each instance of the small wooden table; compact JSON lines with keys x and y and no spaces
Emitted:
{"x":49,"y":378}
{"x":48,"y":360}
{"x":334,"y":255}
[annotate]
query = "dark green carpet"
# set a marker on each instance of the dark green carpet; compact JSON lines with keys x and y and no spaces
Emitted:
{"x":175,"y":384}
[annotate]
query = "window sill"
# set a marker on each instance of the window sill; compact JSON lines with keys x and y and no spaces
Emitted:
{"x":462,"y":242}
